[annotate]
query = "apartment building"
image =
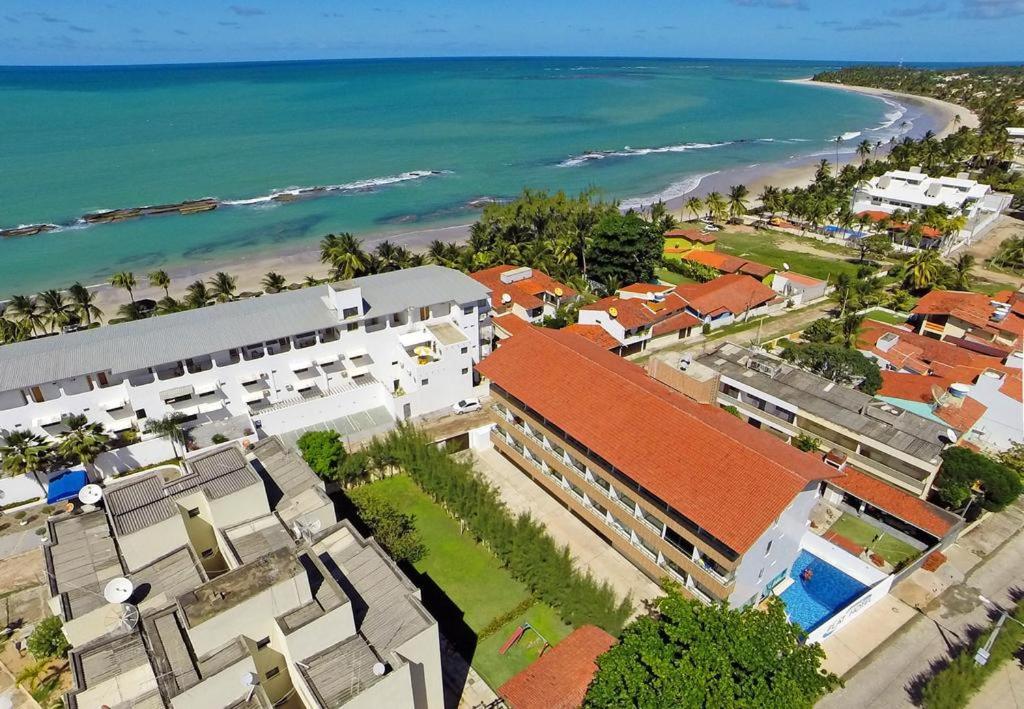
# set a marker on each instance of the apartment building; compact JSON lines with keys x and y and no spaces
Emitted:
{"x":392,"y":345}
{"x":239,"y":588}
{"x":897,"y":446}
{"x":678,"y":488}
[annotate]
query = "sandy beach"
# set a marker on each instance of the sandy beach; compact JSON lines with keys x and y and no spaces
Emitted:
{"x":295,"y":265}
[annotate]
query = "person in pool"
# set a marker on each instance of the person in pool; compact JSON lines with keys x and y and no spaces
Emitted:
{"x":807,"y":574}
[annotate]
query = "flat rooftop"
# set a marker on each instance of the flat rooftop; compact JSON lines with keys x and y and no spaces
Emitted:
{"x":848,"y":408}
{"x":341,"y":671}
{"x":81,"y":557}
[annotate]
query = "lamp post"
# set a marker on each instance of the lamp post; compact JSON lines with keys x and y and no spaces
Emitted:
{"x":981,"y":657}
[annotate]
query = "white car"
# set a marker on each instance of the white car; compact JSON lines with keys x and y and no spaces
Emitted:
{"x":710,"y":227}
{"x":466,"y":406}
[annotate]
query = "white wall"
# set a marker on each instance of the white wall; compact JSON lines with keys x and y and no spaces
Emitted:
{"x":836,"y":622}
{"x":19,"y":488}
{"x":841,"y":559}
{"x":315,"y":411}
{"x":137,"y":455}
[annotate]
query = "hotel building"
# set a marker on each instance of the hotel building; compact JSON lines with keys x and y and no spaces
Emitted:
{"x":681,"y":489}
{"x":240,"y":589}
{"x":382,"y":347}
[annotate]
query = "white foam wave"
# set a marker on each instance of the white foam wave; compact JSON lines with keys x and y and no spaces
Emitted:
{"x":679,"y":188}
{"x":851,"y":135}
{"x":357,"y":186}
{"x":628,"y":152}
{"x":891,"y":117}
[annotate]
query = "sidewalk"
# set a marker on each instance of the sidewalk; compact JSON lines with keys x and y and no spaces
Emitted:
{"x":1004,"y":689}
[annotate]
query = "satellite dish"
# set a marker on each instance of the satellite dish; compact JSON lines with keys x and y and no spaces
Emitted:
{"x":379,"y":669}
{"x":614,"y":312}
{"x":122,"y":617}
{"x":938,"y":395}
{"x":90,"y":494}
{"x":506,"y":298}
{"x":951,"y":435}
{"x":249,"y":679}
{"x":118,"y":590}
{"x":785,"y":265}
{"x":559,"y":292}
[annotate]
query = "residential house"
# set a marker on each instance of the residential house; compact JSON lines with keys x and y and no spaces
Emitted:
{"x":728,"y":299}
{"x":528,"y":293}
{"x":235,"y":585}
{"x":971,"y":320}
{"x":667,"y":481}
{"x":728,"y":264}
{"x":681,"y":241}
{"x":799,"y":288}
{"x":637,"y":320}
{"x":377,"y":348}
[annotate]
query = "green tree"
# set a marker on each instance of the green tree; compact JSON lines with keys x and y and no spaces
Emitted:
{"x":82,"y":441}
{"x":55,"y":310}
{"x":835,"y":362}
{"x":273,"y":282}
{"x":47,"y":639}
{"x":24,"y":453}
{"x":962,"y":271}
{"x":922,"y":269}
{"x":126,"y":280}
{"x":822,"y":330}
{"x":873,"y":245}
{"x":197,"y":295}
{"x":170,"y":427}
{"x":345,"y":255}
{"x":738,"y":201}
{"x":864,"y":149}
{"x":84,"y":303}
{"x":807,"y":443}
{"x":323,"y":451}
{"x":393,"y":529}
{"x":25,"y":309}
{"x":963,"y":468}
{"x":687,"y":654}
{"x":160,"y":279}
{"x":717,"y":206}
{"x":849,"y":327}
{"x":695,"y":206}
{"x":624,"y":248}
{"x":223,"y":287}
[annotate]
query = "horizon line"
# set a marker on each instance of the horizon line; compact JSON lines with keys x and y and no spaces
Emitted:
{"x":249,"y":62}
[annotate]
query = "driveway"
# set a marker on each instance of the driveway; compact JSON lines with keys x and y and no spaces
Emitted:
{"x":592,"y":553}
{"x":890,"y":676}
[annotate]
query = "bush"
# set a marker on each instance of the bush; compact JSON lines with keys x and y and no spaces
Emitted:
{"x":20,"y":514}
{"x":835,"y":362}
{"x":962,"y":468}
{"x":522,"y":545}
{"x":47,"y":640}
{"x":218,"y":438}
{"x":806,"y":443}
{"x":691,"y":269}
{"x":323,"y":451}
{"x":393,"y":529}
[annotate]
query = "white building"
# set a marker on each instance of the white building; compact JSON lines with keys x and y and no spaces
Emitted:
{"x":908,"y":190}
{"x":388,"y":346}
{"x":1016,"y":139}
{"x":240,"y":589}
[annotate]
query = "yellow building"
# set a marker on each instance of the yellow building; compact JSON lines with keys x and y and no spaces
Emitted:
{"x":681,"y":241}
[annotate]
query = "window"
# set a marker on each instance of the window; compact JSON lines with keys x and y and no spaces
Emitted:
{"x":352,"y":327}
{"x":465,"y":370}
{"x":424,"y":382}
{"x":349,"y":313}
{"x":467,"y":310}
{"x":372,"y":321}
{"x":207,"y":553}
{"x":768,"y":549}
{"x":463,"y":350}
{"x":140,"y":413}
{"x":273,"y":672}
{"x":263,"y":643}
{"x":424,"y":313}
{"x":194,"y":512}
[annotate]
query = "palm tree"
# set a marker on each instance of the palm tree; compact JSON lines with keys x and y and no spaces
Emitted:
{"x":716,"y":205}
{"x":12,"y":331}
{"x":160,"y":279}
{"x":345,"y":254}
{"x":24,"y":453}
{"x":273,"y":282}
{"x":223,"y":286}
{"x":55,"y":310}
{"x":839,"y":139}
{"x":738,"y":200}
{"x":129,"y":311}
{"x":83,"y":441}
{"x":850,"y":326}
{"x":962,"y":271}
{"x":864,"y":150}
{"x":25,"y":309}
{"x":197,"y":295}
{"x":168,"y":305}
{"x":695,"y":205}
{"x":923,"y":269}
{"x":169,"y":427}
{"x":310,"y":280}
{"x":126,"y":280}
{"x":391,"y":256}
{"x":84,"y":304}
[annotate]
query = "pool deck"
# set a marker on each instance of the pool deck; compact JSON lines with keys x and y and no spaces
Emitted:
{"x":845,"y":648}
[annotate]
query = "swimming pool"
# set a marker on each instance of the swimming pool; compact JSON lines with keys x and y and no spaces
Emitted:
{"x":829,"y":590}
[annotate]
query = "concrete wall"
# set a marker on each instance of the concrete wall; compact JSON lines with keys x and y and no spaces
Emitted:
{"x":152,"y":542}
{"x":221,"y":689}
{"x":841,"y":559}
{"x":137,"y":455}
{"x":836,"y":622}
{"x":775,"y":551}
{"x":392,"y":690}
{"x":20,"y":488}
{"x":319,"y":634}
{"x":423,"y":654}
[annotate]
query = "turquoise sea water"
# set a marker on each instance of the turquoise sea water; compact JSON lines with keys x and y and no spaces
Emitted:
{"x":82,"y":139}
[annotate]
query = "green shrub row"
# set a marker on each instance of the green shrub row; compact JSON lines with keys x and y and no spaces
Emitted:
{"x":522,"y":544}
{"x":691,"y":269}
{"x":953,"y":686}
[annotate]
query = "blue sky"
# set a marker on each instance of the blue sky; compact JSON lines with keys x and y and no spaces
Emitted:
{"x":138,"y":31}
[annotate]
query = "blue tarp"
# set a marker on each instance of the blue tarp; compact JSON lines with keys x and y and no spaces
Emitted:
{"x":66,"y":485}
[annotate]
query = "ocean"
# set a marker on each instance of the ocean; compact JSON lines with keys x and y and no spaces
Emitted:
{"x":399,"y":145}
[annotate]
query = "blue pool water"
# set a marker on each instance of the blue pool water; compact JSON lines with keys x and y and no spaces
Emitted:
{"x":811,"y":603}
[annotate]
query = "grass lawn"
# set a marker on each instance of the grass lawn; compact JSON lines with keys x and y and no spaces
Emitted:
{"x":882,"y":316}
{"x":860,"y":532}
{"x":764,"y":247}
{"x":672,"y":277}
{"x":475,"y":583}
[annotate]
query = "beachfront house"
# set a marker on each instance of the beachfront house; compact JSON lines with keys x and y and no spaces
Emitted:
{"x":681,"y":241}
{"x":912,"y":190}
{"x":360,"y":353}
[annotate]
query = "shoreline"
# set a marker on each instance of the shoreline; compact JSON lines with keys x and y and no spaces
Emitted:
{"x":296,"y":263}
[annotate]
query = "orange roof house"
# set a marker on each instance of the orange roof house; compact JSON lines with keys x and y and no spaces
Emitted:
{"x":898,"y":503}
{"x":560,"y":677}
{"x":961,"y":415}
{"x":968,"y":316}
{"x":595,"y":333}
{"x":726,"y":263}
{"x":527,"y":288}
{"x":621,"y":415}
{"x":734,"y":294}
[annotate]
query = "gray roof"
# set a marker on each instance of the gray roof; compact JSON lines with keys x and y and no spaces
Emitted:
{"x":149,"y":500}
{"x":167,"y":577}
{"x":80,"y":559}
{"x":341,"y":671}
{"x":392,"y":292}
{"x":130,"y":346}
{"x":849,"y":408}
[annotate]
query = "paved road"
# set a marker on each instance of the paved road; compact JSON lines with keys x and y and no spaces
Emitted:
{"x":887,"y":677}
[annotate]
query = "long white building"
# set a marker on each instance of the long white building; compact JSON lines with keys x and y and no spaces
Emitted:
{"x":388,"y":346}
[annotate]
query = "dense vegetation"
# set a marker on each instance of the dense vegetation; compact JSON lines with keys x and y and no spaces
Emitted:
{"x":841,"y":364}
{"x":326,"y":455}
{"x":963,"y":470}
{"x":47,"y":639}
{"x":687,"y":654}
{"x":953,"y":686}
{"x":521,"y":543}
{"x":393,"y":529}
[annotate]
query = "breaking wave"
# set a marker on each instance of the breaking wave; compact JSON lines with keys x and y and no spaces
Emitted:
{"x":628,"y":152}
{"x":679,"y":188}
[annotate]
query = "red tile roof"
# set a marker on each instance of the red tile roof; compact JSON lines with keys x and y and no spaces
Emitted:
{"x":637,"y":312}
{"x":559,"y":678}
{"x":694,"y":235}
{"x":914,"y":387}
{"x":725,"y":263}
{"x":758,"y":270}
{"x":595,"y":333}
{"x":1013,"y":386}
{"x":914,"y":510}
{"x":877,"y":216}
{"x":675,"y":324}
{"x":943,"y":357}
{"x":733,"y":293}
{"x":723,"y":474}
{"x":973,"y":308}
{"x":512,"y":324}
{"x":801,"y":278}
{"x":524,"y":293}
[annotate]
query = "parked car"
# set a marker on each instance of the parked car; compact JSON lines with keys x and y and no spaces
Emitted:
{"x":466,"y":406}
{"x":710,"y":227}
